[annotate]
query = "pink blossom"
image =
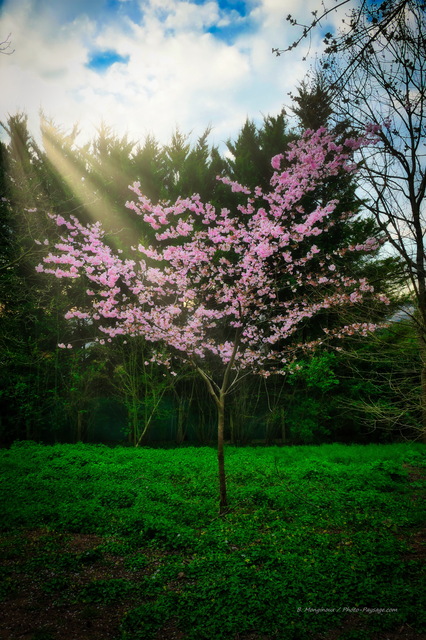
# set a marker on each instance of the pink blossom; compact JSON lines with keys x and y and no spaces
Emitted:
{"x":301,"y":228}
{"x":373,"y":127}
{"x":276,"y":161}
{"x":213,"y":272}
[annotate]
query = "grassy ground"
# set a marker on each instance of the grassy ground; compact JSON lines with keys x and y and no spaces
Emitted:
{"x":101,"y":543}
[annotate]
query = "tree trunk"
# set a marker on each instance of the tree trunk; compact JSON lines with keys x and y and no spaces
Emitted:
{"x":219,"y":394}
{"x":283,"y":433}
{"x":232,"y":427}
{"x":423,"y":386}
{"x":423,"y":401}
{"x":180,"y":434}
{"x":220,"y":453}
{"x":79,"y":426}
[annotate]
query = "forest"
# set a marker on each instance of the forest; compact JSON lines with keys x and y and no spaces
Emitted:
{"x":61,"y":383}
{"x":366,"y":388}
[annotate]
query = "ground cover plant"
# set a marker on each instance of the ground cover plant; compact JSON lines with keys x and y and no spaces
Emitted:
{"x":319,"y":542}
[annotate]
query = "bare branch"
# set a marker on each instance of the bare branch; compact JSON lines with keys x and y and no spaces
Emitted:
{"x":5,"y":46}
{"x":307,"y":29}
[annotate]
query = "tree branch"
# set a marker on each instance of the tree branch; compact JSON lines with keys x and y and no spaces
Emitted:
{"x":5,"y":46}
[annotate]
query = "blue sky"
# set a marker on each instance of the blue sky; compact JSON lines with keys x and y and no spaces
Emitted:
{"x":149,"y":66}
{"x":102,"y":59}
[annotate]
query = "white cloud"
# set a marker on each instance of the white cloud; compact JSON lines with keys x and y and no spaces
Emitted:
{"x":178,"y":73}
{"x":186,"y":16}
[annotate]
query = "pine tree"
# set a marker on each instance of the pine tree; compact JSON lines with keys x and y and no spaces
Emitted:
{"x":253,"y":149}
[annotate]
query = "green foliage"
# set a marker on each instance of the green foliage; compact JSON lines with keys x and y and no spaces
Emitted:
{"x":107,"y":591}
{"x":145,"y":621}
{"x":55,"y":585}
{"x":318,"y":372}
{"x":311,"y":398}
{"x":136,"y":562}
{"x":312,"y":532}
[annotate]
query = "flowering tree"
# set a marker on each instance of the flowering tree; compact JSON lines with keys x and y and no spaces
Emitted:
{"x":223,"y":290}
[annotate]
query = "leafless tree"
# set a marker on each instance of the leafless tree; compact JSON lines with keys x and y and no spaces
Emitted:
{"x":384,"y":86}
{"x":376,"y":67}
{"x":380,"y":16}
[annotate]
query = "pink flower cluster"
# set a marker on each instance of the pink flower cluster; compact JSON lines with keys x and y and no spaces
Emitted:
{"x":238,"y":285}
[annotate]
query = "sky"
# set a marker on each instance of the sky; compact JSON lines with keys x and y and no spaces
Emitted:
{"x":150,"y":66}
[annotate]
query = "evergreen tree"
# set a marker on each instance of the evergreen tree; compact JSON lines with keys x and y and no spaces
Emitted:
{"x":312,"y":104}
{"x":37,"y":379}
{"x":254,"y":148}
{"x":149,"y":168}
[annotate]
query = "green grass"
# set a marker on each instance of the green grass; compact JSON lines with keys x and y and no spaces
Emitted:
{"x":316,"y":538}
